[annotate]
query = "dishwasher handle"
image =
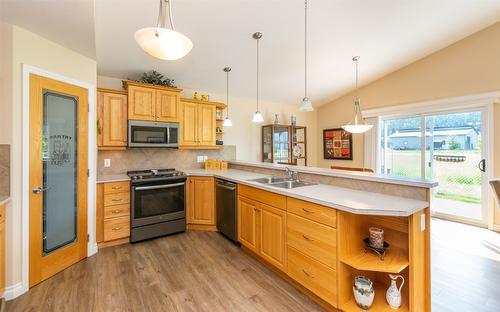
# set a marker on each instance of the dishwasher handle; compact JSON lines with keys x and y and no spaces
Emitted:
{"x":230,"y":188}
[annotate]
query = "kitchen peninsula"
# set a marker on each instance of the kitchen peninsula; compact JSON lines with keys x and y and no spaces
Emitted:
{"x":313,"y":235}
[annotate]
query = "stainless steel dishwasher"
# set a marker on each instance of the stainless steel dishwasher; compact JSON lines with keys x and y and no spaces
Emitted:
{"x":225,"y":198}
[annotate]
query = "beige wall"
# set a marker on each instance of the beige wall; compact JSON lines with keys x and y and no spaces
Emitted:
{"x":469,"y":66}
{"x":5,"y":82}
{"x":31,"y":49}
{"x":244,"y":134}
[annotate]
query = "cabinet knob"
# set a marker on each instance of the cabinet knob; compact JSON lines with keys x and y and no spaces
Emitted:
{"x":117,"y":200}
{"x":308,"y":274}
{"x":308,"y":211}
{"x":306,"y":237}
{"x":116,"y":229}
{"x":116,"y":211}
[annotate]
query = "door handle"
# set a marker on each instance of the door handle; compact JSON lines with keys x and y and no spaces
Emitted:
{"x":39,"y":189}
{"x":482,"y":165}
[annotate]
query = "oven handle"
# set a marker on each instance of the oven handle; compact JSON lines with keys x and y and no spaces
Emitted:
{"x":155,"y":187}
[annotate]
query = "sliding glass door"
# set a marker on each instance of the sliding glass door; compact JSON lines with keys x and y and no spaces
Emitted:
{"x":446,"y":147}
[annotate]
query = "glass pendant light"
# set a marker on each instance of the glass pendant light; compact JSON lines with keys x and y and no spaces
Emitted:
{"x":162,"y":42}
{"x":227,"y":122}
{"x":358,"y":125}
{"x":257,"y":117}
{"x":306,"y":105}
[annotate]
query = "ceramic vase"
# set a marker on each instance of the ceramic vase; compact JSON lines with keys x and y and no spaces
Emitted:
{"x":363,"y":291}
{"x":393,"y":294}
{"x":376,"y":237}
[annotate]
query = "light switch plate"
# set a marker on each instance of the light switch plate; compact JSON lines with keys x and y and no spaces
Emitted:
{"x":422,"y":222}
{"x":205,"y":158}
{"x":107,"y":163}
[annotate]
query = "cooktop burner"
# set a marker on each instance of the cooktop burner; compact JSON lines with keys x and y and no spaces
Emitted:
{"x":154,"y":174}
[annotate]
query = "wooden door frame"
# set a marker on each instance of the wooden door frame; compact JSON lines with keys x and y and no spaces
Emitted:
{"x":92,"y":161}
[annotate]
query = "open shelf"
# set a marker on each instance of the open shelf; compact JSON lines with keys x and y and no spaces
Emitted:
{"x":395,"y":261}
{"x":379,"y":302}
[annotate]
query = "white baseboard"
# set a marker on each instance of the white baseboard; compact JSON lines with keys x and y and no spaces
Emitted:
{"x":14,"y":291}
{"x":92,"y":249}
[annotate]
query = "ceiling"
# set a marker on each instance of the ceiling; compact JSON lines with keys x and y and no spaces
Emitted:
{"x":69,"y":23}
{"x":387,"y":34}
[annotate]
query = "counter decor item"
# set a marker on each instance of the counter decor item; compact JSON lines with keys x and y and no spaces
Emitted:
{"x":293,"y":120}
{"x":379,"y":251}
{"x":337,"y":144}
{"x":215,"y":164}
{"x":363,"y":291}
{"x":195,"y":96}
{"x":393,"y":294}
{"x":376,"y":237}
{"x":154,"y":77}
{"x":204,"y":97}
{"x":276,"y":119}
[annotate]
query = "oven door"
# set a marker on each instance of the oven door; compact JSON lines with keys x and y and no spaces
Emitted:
{"x":153,"y":134}
{"x":158,"y":202}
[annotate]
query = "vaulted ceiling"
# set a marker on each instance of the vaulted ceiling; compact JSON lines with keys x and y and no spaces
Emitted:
{"x":387,"y":34}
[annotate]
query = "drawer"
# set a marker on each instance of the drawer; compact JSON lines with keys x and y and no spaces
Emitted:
{"x":116,"y":211}
{"x":268,"y":198}
{"x":116,"y":228}
{"x":116,"y":199}
{"x":313,"y":275}
{"x":313,"y":239}
{"x":312,"y":211}
{"x":116,"y":187}
{"x":2,"y":213}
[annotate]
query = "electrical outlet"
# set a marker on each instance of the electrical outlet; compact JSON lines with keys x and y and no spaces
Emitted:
{"x":107,"y":163}
{"x":199,"y":159}
{"x":422,"y":222}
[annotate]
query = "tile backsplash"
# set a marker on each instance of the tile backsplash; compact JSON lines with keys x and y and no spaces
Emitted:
{"x":154,"y":158}
{"x":4,"y":169}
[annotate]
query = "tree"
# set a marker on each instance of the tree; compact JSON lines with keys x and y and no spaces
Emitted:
{"x":453,"y":145}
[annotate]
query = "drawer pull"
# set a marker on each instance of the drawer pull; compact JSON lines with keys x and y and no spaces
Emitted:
{"x":116,"y":187}
{"x":307,"y":274}
{"x":256,"y":209}
{"x":307,"y":210}
{"x":117,"y":200}
{"x":306,"y":237}
{"x":116,"y":211}
{"x":116,"y":229}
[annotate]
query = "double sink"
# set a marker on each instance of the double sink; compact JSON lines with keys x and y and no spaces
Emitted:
{"x":286,"y":183}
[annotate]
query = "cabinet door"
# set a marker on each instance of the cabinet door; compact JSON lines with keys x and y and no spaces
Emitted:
{"x":248,"y":224}
{"x":142,"y":103}
{"x":113,"y":121}
{"x":167,"y":106}
{"x":188,"y":125}
{"x":273,"y":235}
{"x":201,"y":201}
{"x":206,"y":124}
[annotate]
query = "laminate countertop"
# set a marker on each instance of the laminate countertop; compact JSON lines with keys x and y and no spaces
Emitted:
{"x":350,"y":200}
{"x":107,"y":178}
{"x":4,"y":199}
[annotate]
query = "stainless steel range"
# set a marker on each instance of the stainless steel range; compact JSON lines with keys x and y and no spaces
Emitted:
{"x":157,"y":203}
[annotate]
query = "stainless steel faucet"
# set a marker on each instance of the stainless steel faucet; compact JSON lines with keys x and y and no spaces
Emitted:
{"x":292,"y":174}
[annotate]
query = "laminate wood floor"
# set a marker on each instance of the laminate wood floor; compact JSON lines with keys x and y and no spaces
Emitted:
{"x":194,"y":271}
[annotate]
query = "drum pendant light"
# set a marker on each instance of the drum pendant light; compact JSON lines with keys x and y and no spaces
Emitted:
{"x":257,"y":117}
{"x":227,"y":122}
{"x":163,"y":42}
{"x":306,"y":105}
{"x":358,"y":125}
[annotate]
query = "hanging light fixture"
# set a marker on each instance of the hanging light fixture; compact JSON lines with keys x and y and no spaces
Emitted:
{"x":306,"y":105}
{"x":358,"y":125}
{"x":162,"y":42}
{"x":257,"y":117}
{"x":227,"y":122}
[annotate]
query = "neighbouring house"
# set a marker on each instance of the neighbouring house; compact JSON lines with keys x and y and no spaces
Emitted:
{"x":460,"y":138}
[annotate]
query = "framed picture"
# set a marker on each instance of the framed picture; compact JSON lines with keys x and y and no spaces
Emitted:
{"x":337,"y":144}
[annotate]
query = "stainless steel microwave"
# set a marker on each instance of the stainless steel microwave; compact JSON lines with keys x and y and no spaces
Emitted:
{"x":153,"y":134}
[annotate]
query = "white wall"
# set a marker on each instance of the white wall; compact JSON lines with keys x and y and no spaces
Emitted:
{"x":31,"y":49}
{"x":244,"y":134}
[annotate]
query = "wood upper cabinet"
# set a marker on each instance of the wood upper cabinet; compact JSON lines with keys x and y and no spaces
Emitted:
{"x":249,"y":224}
{"x":167,"y":106}
{"x":206,"y":124}
{"x":111,"y":118}
{"x":142,"y":103}
{"x":273,"y":235}
{"x":152,"y":103}
{"x":189,"y":127}
{"x":197,"y":124}
{"x":201,"y":201}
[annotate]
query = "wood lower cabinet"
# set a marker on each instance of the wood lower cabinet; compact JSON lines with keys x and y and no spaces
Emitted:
{"x":2,"y":249}
{"x":151,"y":102}
{"x":262,"y":229}
{"x":201,"y":201}
{"x":111,"y":119}
{"x":198,"y":124}
{"x":112,"y":213}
